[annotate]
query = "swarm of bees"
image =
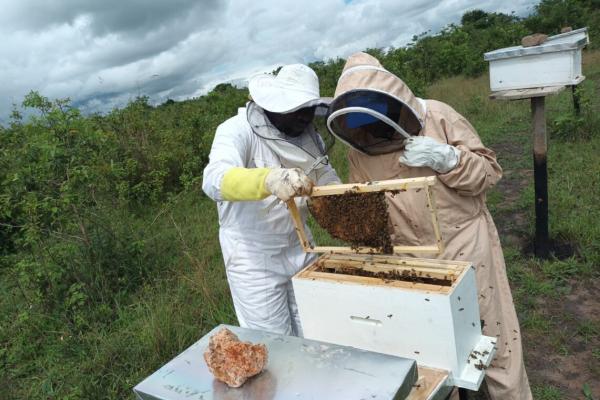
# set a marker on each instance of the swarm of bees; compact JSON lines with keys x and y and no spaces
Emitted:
{"x":360,"y":219}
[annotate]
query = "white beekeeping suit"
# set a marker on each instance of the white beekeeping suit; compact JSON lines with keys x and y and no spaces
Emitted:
{"x":251,"y":162}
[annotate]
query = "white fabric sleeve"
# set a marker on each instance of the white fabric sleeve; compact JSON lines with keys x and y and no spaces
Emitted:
{"x":230,"y":148}
{"x":326,"y":176}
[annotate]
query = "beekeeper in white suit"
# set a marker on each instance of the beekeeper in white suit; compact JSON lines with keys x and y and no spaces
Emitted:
{"x":257,"y":156}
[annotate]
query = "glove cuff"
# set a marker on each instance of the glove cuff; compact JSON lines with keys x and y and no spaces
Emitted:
{"x":451,"y":161}
{"x":244,"y":184}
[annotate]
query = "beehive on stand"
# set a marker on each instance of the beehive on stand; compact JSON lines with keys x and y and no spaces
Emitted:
{"x":424,"y":309}
{"x":556,"y":62}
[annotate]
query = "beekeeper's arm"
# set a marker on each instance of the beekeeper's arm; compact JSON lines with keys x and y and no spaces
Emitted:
{"x":327,"y":176}
{"x":463,"y":163}
{"x":477,"y":169}
{"x":226,"y":176}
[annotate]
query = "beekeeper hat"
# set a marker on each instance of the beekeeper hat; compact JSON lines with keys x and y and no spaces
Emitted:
{"x":294,"y":87}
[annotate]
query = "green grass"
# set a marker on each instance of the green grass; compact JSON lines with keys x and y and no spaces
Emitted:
{"x":167,"y":314}
{"x":45,"y":356}
{"x":547,"y":393}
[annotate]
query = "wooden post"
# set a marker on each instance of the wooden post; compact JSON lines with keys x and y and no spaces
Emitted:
{"x":540,"y":172}
{"x":540,"y":149}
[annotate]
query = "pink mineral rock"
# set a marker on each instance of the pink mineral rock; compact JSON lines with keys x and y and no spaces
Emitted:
{"x":232,"y":361}
{"x":534,"y":40}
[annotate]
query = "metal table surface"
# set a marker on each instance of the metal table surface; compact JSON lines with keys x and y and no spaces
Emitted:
{"x":297,"y":369}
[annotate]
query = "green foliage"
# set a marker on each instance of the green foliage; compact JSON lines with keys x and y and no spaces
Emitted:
{"x":587,"y":392}
{"x":579,"y":126}
{"x":48,"y":165}
{"x":82,"y":208}
{"x":459,"y":49}
{"x":134,"y":156}
{"x":328,"y":73}
{"x":166,"y":148}
{"x":547,"y":393}
{"x":456,"y":50}
{"x":552,"y":15}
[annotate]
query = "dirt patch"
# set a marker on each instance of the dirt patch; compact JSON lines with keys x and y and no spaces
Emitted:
{"x":564,"y":353}
{"x":393,"y":275}
{"x":569,"y":356}
{"x":559,"y":248}
{"x":360,"y":219}
{"x":511,"y":221}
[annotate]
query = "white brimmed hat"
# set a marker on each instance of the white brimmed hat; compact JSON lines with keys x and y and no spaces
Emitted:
{"x":295,"y":86}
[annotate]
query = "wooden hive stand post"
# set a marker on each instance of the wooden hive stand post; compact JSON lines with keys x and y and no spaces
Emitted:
{"x":537,"y":97}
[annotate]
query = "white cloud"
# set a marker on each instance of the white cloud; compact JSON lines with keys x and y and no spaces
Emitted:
{"x":102,"y":54}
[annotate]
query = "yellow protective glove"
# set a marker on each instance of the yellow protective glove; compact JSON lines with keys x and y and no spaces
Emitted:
{"x":244,"y":184}
{"x":247,"y":184}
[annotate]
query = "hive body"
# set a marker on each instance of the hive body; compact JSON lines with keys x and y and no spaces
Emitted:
{"x":556,"y":62}
{"x":431,"y":316}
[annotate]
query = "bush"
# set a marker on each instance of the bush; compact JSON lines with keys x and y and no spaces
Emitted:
{"x":578,"y":126}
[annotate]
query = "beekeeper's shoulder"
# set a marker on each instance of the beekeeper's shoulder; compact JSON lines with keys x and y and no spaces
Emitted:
{"x":237,"y":125}
{"x":440,"y":110}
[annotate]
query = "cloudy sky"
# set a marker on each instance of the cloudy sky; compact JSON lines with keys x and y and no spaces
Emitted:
{"x":101,"y":54}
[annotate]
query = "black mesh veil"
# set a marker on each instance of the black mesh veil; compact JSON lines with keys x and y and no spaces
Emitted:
{"x":371,"y":122}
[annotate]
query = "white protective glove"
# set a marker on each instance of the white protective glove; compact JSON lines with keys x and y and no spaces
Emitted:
{"x":285,"y":183}
{"x":423,"y":151}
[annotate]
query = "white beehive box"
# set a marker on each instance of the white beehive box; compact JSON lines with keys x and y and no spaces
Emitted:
{"x":436,"y":324}
{"x":556,"y":62}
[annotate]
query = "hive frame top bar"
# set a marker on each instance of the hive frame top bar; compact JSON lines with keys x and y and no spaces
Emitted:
{"x":374,"y":186}
{"x":400,"y":185}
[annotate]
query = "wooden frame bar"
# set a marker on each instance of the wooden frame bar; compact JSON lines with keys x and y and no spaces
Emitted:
{"x":375,"y":186}
{"x":420,"y":268}
{"x":431,"y":382}
{"x":434,"y":218}
{"x":387,"y":259}
{"x":421,"y":272}
{"x":519,"y":94}
{"x":363,"y":280}
{"x":394,"y":185}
